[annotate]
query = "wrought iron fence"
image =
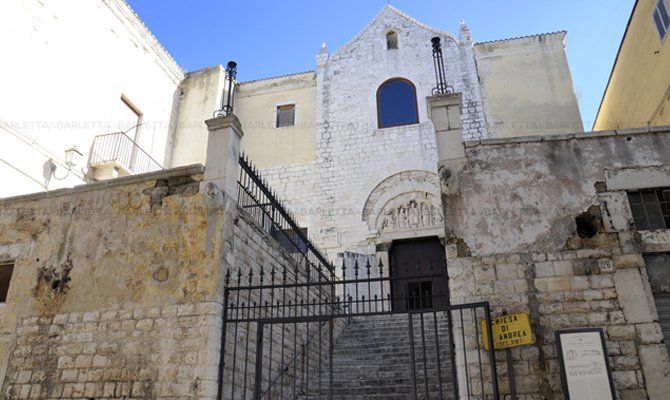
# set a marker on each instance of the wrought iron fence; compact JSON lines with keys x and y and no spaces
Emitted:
{"x":280,"y":329}
{"x":118,"y":147}
{"x":261,"y":203}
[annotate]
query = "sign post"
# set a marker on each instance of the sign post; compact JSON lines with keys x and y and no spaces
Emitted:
{"x":509,"y":330}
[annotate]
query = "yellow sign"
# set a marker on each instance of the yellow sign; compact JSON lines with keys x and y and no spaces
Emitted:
{"x":510,"y":330}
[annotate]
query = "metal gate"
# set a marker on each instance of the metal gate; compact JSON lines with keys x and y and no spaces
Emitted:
{"x":296,"y":333}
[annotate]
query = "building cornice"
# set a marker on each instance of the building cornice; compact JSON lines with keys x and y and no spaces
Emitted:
{"x":122,"y":10}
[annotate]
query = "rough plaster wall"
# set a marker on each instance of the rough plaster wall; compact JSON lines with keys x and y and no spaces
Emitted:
{"x":521,"y":197}
{"x":256,"y":105}
{"x":201,"y":96}
{"x":527,"y":86}
{"x":516,"y":246}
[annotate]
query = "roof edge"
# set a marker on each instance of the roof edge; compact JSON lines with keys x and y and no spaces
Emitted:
{"x":277,"y":77}
{"x":156,"y":46}
{"x":561,"y":32}
{"x":567,"y":136}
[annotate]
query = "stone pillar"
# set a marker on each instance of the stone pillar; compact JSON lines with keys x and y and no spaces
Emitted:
{"x":223,"y":153}
{"x":445,"y":112}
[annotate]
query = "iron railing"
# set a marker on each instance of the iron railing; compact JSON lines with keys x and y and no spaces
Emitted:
{"x":279,"y":332}
{"x":118,"y":147}
{"x":262,"y":205}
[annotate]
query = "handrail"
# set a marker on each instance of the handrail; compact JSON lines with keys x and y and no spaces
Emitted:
{"x":254,"y":187}
{"x":120,"y":147}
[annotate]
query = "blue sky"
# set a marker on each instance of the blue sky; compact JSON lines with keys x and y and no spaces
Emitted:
{"x":269,"y":38}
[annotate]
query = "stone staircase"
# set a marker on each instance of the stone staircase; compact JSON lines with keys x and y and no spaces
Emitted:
{"x":372,"y":360}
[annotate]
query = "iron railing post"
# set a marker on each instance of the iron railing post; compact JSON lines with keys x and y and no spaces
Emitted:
{"x":412,"y":355}
{"x":492,"y":353}
{"x":222,"y":362}
{"x":258,"y":378}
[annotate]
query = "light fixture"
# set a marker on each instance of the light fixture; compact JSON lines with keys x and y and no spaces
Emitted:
{"x":72,"y":157}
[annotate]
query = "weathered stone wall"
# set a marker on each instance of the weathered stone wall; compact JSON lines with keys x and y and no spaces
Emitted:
{"x":118,"y":288}
{"x":511,"y":218}
{"x":114,"y":291}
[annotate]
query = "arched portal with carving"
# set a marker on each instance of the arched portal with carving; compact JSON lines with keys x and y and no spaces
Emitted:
{"x":405,"y":204}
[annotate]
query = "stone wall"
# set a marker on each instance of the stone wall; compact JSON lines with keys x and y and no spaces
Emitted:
{"x":117,"y":287}
{"x":512,"y":218}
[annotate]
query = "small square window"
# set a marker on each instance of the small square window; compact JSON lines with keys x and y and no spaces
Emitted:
{"x":661,"y":18}
{"x":6,"y":268}
{"x":285,"y":115}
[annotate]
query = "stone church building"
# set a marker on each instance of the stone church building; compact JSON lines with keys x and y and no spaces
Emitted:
{"x":351,"y":232}
{"x":356,"y":174}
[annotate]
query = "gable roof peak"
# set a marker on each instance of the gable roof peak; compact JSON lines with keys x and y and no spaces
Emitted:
{"x":388,"y":8}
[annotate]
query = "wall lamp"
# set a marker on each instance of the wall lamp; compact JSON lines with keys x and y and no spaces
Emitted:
{"x":72,"y":159}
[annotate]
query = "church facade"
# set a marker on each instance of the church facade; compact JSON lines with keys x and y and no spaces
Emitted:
{"x":121,"y":288}
{"x":355,"y":180}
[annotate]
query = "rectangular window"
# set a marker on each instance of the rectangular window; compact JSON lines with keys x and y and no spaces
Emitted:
{"x":650,"y":208}
{"x":285,"y":115}
{"x":6,"y":268}
{"x":661,"y":19}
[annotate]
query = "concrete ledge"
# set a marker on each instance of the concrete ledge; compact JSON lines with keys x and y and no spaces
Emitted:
{"x":194,"y":169}
{"x":567,"y":136}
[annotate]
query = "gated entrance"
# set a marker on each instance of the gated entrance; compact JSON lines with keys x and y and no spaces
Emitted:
{"x":304,"y":333}
{"x":300,"y":329}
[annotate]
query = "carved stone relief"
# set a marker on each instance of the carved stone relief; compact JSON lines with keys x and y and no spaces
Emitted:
{"x":416,"y":210}
{"x":405,"y":201}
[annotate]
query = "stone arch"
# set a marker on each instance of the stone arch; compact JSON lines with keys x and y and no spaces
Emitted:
{"x":408,"y":200}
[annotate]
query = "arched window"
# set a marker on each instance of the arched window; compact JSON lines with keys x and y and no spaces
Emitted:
{"x":396,"y":103}
{"x":391,"y":40}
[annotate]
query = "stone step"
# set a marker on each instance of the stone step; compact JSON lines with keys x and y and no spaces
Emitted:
{"x":372,"y":360}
